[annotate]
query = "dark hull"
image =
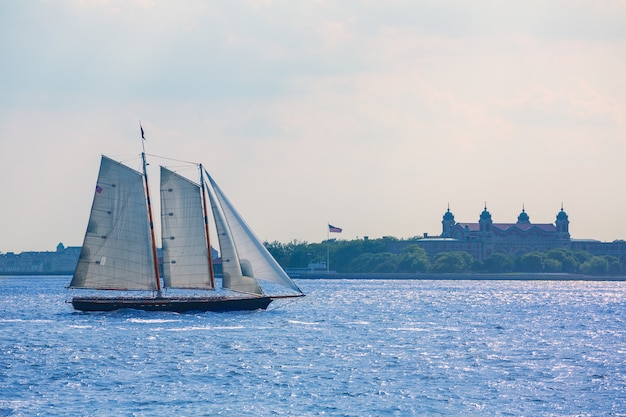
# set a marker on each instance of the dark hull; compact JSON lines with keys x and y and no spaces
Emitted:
{"x":179,"y":305}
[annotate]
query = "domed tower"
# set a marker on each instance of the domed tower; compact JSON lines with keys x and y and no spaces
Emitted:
{"x":562,"y":223}
{"x":485,"y":221}
{"x":448,"y":223}
{"x":523,"y":217}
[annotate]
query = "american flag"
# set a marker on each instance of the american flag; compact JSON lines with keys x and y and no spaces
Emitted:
{"x":334,"y":229}
{"x":98,"y":189}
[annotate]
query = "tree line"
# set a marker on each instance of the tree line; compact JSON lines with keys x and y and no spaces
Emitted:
{"x":373,"y":255}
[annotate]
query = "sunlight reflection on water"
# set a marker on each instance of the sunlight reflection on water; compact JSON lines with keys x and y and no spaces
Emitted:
{"x":353,"y":348}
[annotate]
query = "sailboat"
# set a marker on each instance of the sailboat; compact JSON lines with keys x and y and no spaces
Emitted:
{"x":119,"y":252}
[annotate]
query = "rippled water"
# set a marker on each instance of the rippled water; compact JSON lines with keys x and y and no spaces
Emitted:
{"x":350,"y":348}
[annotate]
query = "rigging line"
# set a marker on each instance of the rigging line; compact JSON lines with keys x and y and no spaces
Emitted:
{"x":173,"y":159}
{"x":124,"y":159}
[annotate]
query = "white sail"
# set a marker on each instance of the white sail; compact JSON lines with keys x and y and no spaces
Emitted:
{"x":244,"y":258}
{"x":116,"y":252}
{"x":185,"y":252}
{"x":232,"y":275}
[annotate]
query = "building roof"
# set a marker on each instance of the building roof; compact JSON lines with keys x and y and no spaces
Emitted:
{"x":504,"y":227}
{"x":546,"y":227}
{"x":472,"y":227}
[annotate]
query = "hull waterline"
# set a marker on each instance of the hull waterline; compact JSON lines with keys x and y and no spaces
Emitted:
{"x":178,"y":305}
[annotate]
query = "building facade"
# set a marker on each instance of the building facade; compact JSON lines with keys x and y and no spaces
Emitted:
{"x":60,"y":262}
{"x":485,"y":237}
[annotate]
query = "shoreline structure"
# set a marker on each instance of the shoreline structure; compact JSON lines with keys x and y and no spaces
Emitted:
{"x":512,"y":276}
{"x":63,"y":261}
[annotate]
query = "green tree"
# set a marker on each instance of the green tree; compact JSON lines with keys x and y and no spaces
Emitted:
{"x":343,"y":253}
{"x":294,"y":254}
{"x":499,"y":262}
{"x":374,"y":262}
{"x":551,"y":265}
{"x":596,"y":265}
{"x":278,"y":251}
{"x":317,"y":252}
{"x":581,"y":256}
{"x":413,"y":259}
{"x":452,"y":262}
{"x":531,"y":262}
{"x":569,"y":262}
{"x":345,"y":257}
{"x":299,"y":254}
{"x":615,"y":267}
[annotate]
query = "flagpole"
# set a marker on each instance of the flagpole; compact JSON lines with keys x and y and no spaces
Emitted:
{"x":330,"y":229}
{"x":327,"y":247}
{"x":143,"y":138}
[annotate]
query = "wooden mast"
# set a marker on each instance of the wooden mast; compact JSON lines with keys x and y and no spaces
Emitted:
{"x":152,"y":238}
{"x":206,"y":229}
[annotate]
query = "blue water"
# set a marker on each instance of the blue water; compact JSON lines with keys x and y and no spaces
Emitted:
{"x":350,"y":348}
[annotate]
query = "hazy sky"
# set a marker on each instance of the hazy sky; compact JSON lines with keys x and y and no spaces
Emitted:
{"x":370,"y":115}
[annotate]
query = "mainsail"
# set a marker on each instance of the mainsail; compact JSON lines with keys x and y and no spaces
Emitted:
{"x":184,"y":243}
{"x":116,"y":252}
{"x":244,"y":258}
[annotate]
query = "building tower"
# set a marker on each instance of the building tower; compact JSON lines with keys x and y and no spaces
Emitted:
{"x":448,"y":223}
{"x":523,"y":217}
{"x":562,"y":224}
{"x":485,"y":221}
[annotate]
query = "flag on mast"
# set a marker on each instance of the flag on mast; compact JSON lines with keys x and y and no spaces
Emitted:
{"x":141,"y":128}
{"x":333,"y":229}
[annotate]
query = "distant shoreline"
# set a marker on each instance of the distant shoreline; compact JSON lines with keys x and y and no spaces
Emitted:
{"x":513,"y":276}
{"x":36,"y":274}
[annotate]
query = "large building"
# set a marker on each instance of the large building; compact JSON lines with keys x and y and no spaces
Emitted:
{"x":60,"y":262}
{"x":485,"y":237}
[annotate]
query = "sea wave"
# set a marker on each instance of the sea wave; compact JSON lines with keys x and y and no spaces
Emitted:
{"x":372,"y":348}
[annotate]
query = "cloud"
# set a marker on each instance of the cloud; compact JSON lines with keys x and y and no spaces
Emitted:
{"x":316,"y":111}
{"x":576,"y":105}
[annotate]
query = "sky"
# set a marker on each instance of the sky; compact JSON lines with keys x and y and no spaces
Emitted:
{"x":373,"y":116}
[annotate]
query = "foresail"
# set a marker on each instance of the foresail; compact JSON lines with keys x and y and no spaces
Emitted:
{"x":185,"y":252}
{"x":252,"y":258}
{"x":116,"y":252}
{"x":233,"y":277}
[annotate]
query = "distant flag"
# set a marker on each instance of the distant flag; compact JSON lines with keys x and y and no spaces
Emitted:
{"x":98,"y":189}
{"x":142,"y":135}
{"x":333,"y":229}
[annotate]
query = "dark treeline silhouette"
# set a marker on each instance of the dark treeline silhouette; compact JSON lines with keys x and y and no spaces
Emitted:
{"x":374,"y":255}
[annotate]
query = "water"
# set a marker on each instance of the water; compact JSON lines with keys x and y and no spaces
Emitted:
{"x":350,"y":348}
